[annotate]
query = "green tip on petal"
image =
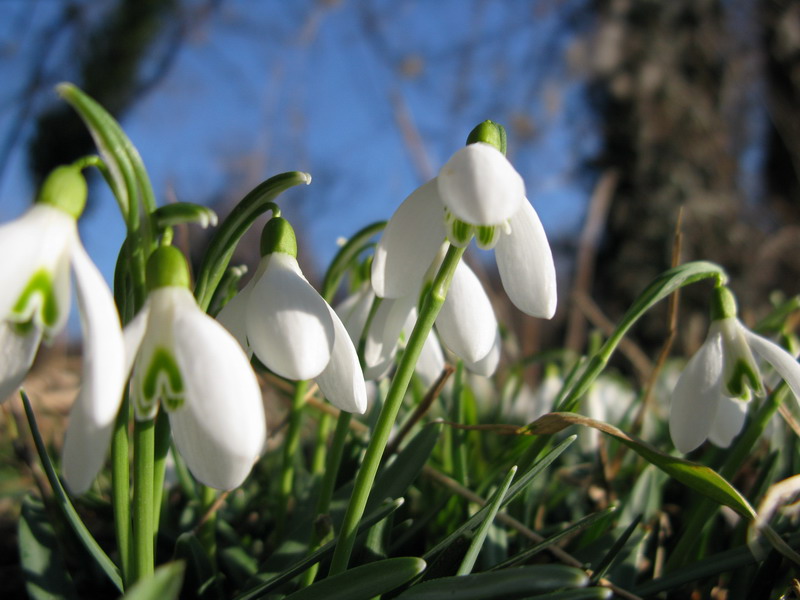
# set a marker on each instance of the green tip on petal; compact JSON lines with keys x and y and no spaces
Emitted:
{"x":723,"y":304}
{"x":167,"y":267}
{"x":65,"y":188}
{"x":742,"y":380}
{"x":490,"y":133}
{"x":278,"y":236}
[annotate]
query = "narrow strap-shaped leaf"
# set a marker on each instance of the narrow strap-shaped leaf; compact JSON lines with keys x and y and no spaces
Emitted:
{"x":465,"y":568}
{"x":513,"y":492}
{"x":164,"y":584}
{"x":598,"y":593}
{"x":64,"y":504}
{"x":616,"y":548}
{"x":46,"y":576}
{"x":577,"y":526}
{"x":184,"y":212}
{"x":264,"y":588}
{"x":223,"y":244}
{"x":348,"y":252}
{"x":698,"y":477}
{"x":519,"y":582}
{"x":364,"y":582}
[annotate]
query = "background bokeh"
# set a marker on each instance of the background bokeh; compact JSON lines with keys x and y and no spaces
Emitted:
{"x":619,"y":113}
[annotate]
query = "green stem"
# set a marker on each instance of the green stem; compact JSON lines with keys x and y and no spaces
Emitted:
{"x":380,"y":435}
{"x":161,"y":449}
{"x":121,"y":490}
{"x":322,"y":531}
{"x":208,"y":531}
{"x":320,"y":444}
{"x":291,"y":446}
{"x":457,"y":448}
{"x":143,"y":550}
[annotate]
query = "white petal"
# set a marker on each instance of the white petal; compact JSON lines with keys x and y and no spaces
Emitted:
{"x":354,"y":311}
{"x":16,"y":356}
{"x":430,"y":363}
{"x":104,"y":375}
{"x":342,"y":381}
{"x":526,"y":265}
{"x":696,"y":396}
{"x":233,"y":314}
{"x":409,"y":244}
{"x":730,"y":418}
{"x":384,"y":334}
{"x":480,"y":186}
{"x":220,"y":429}
{"x":39,"y":239}
{"x":289,"y":326}
{"x":466,"y":322}
{"x":783,"y":362}
{"x":487,"y":365}
{"x":133,"y":334}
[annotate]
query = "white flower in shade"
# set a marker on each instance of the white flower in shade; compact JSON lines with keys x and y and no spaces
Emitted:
{"x":710,"y":399}
{"x":188,"y":364}
{"x":39,"y":249}
{"x":280,"y":317}
{"x":477,"y":193}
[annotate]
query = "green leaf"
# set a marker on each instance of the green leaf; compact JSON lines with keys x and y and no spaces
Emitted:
{"x":698,"y":477}
{"x":199,"y":569}
{"x":519,"y":582}
{"x":164,"y":584}
{"x":516,"y":489}
{"x":599,"y":593}
{"x":612,"y":554}
{"x":227,"y":236}
{"x":343,"y":258}
{"x":64,"y":504}
{"x":46,"y":577}
{"x":363,"y":582}
{"x":184,"y":212}
{"x":494,"y":505}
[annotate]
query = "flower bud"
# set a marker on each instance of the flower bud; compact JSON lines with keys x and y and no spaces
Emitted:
{"x":167,"y":267}
{"x":278,"y":236}
{"x":65,"y":188}
{"x":490,"y":133}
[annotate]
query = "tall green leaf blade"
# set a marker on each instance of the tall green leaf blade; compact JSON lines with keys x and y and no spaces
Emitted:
{"x":46,"y":576}
{"x":364,"y":582}
{"x":164,"y":584}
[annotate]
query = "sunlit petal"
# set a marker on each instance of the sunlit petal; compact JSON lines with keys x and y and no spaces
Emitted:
{"x":487,"y":365}
{"x":727,"y":424}
{"x":783,"y":362}
{"x":354,"y":311}
{"x":526,"y":265}
{"x":384,"y":334}
{"x":289,"y":326}
{"x":104,"y":375}
{"x":342,"y":381}
{"x":480,"y":186}
{"x":233,"y":314}
{"x":430,"y":363}
{"x":466,"y":322}
{"x":133,"y":334}
{"x":220,"y":428}
{"x":16,"y":356}
{"x":696,"y":396}
{"x":409,"y":244}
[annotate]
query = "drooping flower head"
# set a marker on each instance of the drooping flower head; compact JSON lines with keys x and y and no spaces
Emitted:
{"x":479,"y":194}
{"x":711,"y":395}
{"x":186,"y":363}
{"x":280,"y":317}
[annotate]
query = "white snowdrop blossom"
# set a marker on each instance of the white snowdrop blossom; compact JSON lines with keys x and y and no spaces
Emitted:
{"x":188,"y":364}
{"x":710,"y":398}
{"x":280,"y":317}
{"x":477,"y":193}
{"x":39,"y":249}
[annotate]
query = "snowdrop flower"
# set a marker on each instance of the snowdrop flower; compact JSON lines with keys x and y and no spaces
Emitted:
{"x":38,"y":249}
{"x":282,"y":319}
{"x":187,"y":363}
{"x":710,"y":398}
{"x":476,"y":194}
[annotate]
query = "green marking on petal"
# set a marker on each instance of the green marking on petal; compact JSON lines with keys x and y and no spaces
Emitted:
{"x":486,"y":236}
{"x":38,"y":291}
{"x":743,"y":378}
{"x":458,"y":233}
{"x":163,"y":380}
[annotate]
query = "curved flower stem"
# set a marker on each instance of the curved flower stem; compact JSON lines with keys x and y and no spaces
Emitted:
{"x":290,"y":448}
{"x":121,"y":491}
{"x":380,"y":435}
{"x":143,"y":555}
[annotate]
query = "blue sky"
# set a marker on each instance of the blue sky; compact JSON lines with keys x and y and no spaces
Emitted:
{"x":261,"y":88}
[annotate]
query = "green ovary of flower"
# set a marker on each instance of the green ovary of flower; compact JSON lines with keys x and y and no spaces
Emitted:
{"x":163,"y":380}
{"x":38,"y":294}
{"x":742,"y":380}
